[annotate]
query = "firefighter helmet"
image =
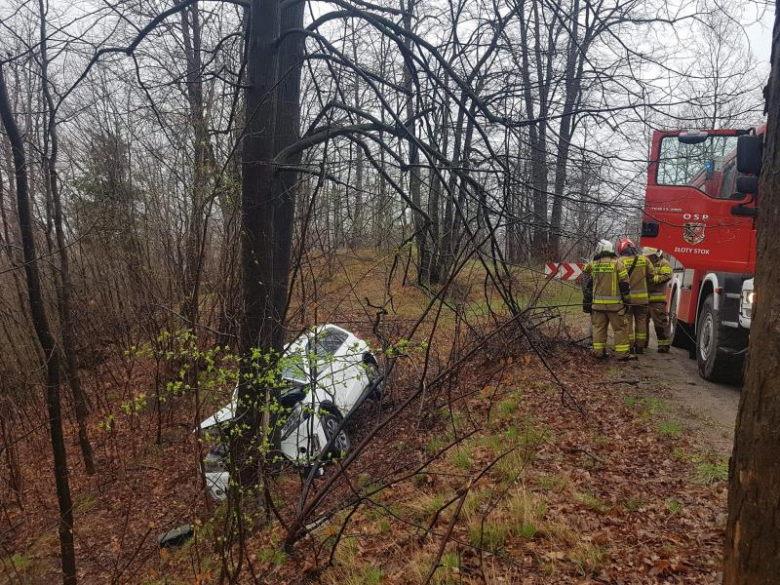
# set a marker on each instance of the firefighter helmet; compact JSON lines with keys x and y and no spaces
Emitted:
{"x":604,"y":246}
{"x":624,"y":245}
{"x":650,"y":251}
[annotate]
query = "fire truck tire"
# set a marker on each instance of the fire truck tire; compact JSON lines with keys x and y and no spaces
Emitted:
{"x":712,"y":337}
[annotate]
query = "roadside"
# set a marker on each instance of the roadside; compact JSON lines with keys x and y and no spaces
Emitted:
{"x":705,"y":410}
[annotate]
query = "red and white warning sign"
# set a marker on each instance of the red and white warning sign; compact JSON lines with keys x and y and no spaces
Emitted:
{"x":563,"y":270}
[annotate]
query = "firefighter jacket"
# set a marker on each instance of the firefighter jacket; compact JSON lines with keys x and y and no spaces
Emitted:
{"x":640,"y":272}
{"x":661,"y":275}
{"x":610,"y":281}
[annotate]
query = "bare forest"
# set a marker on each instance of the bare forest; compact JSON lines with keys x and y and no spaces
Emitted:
{"x":187,"y":187}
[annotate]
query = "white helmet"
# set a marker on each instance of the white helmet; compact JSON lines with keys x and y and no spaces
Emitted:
{"x":604,"y":246}
{"x":650,"y":251}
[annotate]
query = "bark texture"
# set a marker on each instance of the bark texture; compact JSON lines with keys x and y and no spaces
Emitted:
{"x":268,"y":193}
{"x":753,"y":530}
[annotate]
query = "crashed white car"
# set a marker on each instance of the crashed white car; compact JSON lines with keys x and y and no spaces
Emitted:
{"x":329,"y":373}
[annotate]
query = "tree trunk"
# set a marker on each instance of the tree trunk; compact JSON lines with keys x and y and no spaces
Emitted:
{"x":384,"y":213}
{"x":454,"y":208}
{"x":64,"y":290}
{"x":572,"y":85}
{"x":288,"y":133}
{"x":261,"y":327}
{"x":419,"y":220}
{"x":434,"y":196}
{"x":537,"y":133}
{"x":358,"y":225}
{"x":45,"y":338}
{"x":434,"y":199}
{"x":338,"y":218}
{"x":753,"y":530}
{"x":190,"y":21}
{"x":445,"y":250}
{"x":268,"y":196}
{"x":462,"y":216}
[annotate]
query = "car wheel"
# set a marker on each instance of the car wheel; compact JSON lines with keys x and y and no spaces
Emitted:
{"x":330,"y":425}
{"x":375,"y":380}
{"x":374,"y":375}
{"x":378,"y":391}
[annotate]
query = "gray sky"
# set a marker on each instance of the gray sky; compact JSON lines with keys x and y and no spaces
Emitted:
{"x":760,"y":31}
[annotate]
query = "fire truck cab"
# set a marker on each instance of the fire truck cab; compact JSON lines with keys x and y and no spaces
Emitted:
{"x":700,"y":209}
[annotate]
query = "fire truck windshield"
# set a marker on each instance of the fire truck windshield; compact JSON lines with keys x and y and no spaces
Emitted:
{"x":708,"y":165}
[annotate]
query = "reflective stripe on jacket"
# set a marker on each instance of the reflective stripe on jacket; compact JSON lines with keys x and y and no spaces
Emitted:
{"x":661,"y":275}
{"x":607,"y":272}
{"x":640,"y":271}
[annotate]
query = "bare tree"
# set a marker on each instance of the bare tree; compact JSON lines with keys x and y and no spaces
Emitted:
{"x":64,"y":285}
{"x":45,"y":337}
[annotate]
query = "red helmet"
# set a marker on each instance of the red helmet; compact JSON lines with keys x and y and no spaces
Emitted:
{"x":624,"y":244}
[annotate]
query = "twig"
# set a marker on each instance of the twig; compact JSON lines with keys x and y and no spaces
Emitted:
{"x":609,"y":382}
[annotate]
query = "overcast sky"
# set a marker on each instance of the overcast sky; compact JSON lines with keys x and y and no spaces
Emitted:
{"x":760,"y":31}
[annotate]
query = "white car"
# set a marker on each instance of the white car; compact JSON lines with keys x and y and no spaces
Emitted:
{"x":746,"y":303}
{"x":329,"y":373}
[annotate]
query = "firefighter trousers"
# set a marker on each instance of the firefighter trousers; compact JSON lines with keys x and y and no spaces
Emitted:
{"x":638,"y":325}
{"x":601,"y":321}
{"x":661,"y":323}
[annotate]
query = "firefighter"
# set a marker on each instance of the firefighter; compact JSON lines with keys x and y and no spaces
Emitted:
{"x":640,"y":272}
{"x":609,"y":285}
{"x":662,"y":274}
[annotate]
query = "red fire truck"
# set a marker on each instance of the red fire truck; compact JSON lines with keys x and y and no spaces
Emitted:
{"x":700,"y":209}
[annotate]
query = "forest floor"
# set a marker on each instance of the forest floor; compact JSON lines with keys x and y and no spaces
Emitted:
{"x":532,"y":465}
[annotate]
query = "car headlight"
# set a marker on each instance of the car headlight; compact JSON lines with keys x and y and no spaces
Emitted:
{"x":750,"y":297}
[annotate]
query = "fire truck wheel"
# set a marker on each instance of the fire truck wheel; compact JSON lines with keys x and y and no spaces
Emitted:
{"x":711,"y":339}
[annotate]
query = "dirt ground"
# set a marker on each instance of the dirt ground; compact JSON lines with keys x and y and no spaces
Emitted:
{"x":705,"y":409}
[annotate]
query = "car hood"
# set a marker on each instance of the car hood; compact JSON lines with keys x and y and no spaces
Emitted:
{"x":224,"y":415}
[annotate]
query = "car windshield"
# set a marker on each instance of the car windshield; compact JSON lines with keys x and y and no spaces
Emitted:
{"x":328,"y":343}
{"x":293,"y":369}
{"x":706,"y":166}
{"x":318,"y":348}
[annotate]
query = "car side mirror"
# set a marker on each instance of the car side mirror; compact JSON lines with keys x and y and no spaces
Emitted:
{"x":747,"y":185}
{"x":750,"y":150}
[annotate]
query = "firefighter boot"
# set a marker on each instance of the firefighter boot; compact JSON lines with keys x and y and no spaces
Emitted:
{"x":663,"y":342}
